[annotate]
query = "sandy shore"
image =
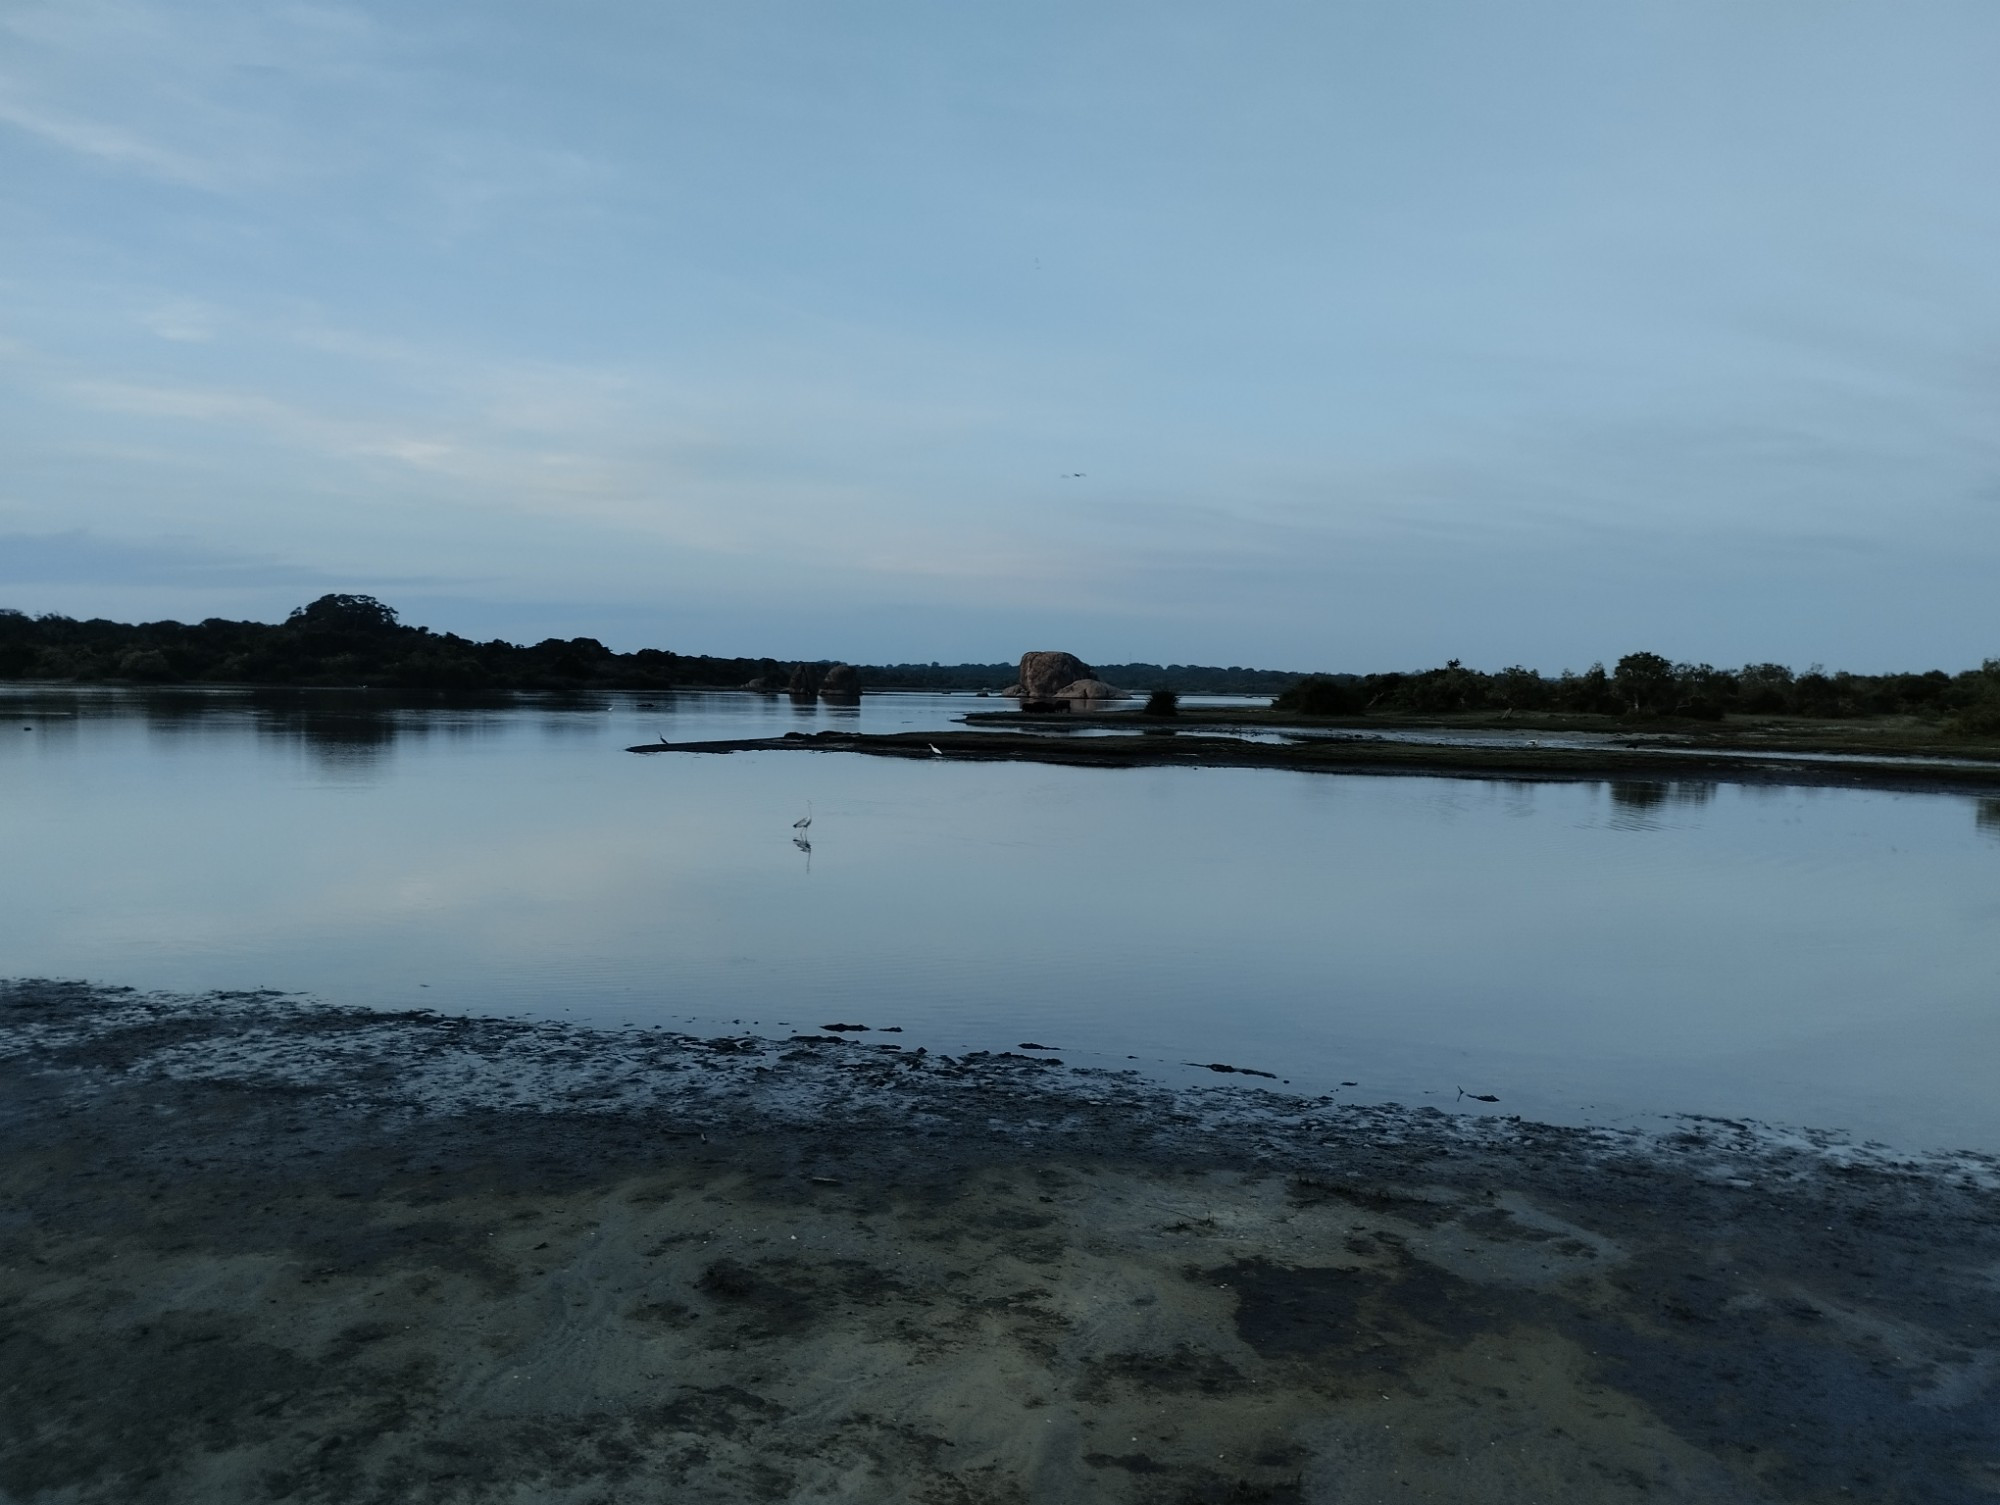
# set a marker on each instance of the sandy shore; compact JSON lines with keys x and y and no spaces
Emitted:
{"x":256,"y":1248}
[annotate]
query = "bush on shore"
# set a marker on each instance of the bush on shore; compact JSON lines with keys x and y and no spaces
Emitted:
{"x":1320,"y":695}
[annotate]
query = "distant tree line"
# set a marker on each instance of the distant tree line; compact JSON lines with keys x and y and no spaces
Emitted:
{"x":344,"y":640}
{"x":1650,"y":686}
{"x":357,"y":640}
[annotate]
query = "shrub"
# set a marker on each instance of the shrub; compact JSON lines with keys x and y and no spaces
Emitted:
{"x":1163,"y":703}
{"x":1319,"y":695}
{"x":1980,"y":719}
{"x":147,"y":664}
{"x":1522,"y":689}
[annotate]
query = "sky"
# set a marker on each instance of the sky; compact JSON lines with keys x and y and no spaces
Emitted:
{"x":1345,"y":336}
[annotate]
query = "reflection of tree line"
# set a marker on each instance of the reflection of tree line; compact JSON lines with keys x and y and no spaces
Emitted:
{"x":340,"y":725}
{"x":345,"y":729}
{"x":1642,"y":796}
{"x":1651,"y":794}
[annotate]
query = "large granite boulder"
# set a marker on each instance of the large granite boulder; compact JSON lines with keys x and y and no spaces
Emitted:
{"x":805,"y":680}
{"x":1043,"y":675}
{"x":841,"y":683}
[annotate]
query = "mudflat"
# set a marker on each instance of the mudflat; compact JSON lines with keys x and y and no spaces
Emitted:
{"x":1127,"y":741}
{"x":259,"y":1248}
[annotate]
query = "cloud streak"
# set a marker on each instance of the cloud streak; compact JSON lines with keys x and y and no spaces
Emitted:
{"x":104,"y":143}
{"x":79,"y":557}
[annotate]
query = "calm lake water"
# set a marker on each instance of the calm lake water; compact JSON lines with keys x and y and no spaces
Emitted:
{"x":1587,"y":952}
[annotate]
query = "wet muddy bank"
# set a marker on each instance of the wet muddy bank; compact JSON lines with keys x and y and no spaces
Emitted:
{"x":1165,"y":746}
{"x":258,"y":1248}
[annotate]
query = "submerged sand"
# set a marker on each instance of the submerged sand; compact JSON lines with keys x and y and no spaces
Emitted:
{"x":256,"y":1248}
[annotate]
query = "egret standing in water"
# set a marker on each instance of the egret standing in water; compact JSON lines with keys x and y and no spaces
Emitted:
{"x":805,"y":821}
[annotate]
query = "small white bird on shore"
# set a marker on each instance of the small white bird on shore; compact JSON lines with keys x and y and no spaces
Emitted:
{"x":935,"y":748}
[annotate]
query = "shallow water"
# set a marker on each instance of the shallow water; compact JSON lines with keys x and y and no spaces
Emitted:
{"x":1596,"y":952}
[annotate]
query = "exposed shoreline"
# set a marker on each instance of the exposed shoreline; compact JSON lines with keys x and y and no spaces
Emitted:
{"x":1145,"y":746}
{"x":257,"y":1248}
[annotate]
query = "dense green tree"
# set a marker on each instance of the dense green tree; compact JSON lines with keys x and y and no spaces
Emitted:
{"x":1645,"y":683}
{"x":1703,"y":691}
{"x":1587,"y":692}
{"x":1520,"y":689}
{"x":346,"y":614}
{"x":1764,"y":688}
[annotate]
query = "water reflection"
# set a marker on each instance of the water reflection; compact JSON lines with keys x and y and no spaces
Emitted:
{"x":1639,"y":796}
{"x":512,"y":857}
{"x":348,"y":734}
{"x":344,"y":745}
{"x":1638,"y":804}
{"x":1987,"y":817}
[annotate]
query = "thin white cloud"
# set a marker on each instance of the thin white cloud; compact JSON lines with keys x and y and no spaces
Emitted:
{"x":219,"y":97}
{"x":106,"y":143}
{"x":474,"y":467}
{"x":158,"y":401}
{"x":183,"y":321}
{"x":81,"y":556}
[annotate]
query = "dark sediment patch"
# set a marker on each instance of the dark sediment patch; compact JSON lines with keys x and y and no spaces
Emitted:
{"x":254,"y":1248}
{"x":1637,"y":769}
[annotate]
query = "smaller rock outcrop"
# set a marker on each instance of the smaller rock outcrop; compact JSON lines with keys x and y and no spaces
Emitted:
{"x":842,"y":682}
{"x":1090,"y":689}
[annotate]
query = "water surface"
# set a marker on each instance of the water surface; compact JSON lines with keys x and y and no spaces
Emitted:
{"x":1600,"y":952}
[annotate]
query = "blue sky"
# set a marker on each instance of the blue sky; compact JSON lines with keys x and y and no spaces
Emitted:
{"x":1380,"y":334}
